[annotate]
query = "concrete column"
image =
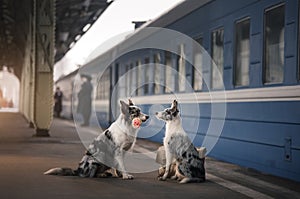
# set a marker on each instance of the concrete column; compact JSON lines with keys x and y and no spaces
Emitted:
{"x":27,"y":97}
{"x":44,"y":61}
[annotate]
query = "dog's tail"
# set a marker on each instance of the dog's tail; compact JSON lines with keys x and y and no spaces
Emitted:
{"x":61,"y":172}
{"x":188,"y":180}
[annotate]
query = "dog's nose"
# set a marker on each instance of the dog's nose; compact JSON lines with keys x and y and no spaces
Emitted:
{"x":147,"y":117}
{"x":156,"y":113}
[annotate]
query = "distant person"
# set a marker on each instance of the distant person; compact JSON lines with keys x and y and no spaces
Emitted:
{"x":85,"y":99}
{"x":3,"y":102}
{"x":58,"y":97}
{"x":1,"y":96}
{"x":10,"y":104}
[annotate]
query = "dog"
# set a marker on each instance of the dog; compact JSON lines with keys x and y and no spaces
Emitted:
{"x":105,"y":155}
{"x":189,"y":166}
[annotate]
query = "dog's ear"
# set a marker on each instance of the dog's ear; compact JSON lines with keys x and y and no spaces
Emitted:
{"x":124,"y":107}
{"x":130,"y":102}
{"x":174,"y":105}
{"x":174,"y":108}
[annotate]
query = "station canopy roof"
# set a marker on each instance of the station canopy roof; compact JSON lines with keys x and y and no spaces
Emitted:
{"x":73,"y":17}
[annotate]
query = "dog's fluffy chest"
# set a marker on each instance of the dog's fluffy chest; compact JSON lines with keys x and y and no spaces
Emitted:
{"x":123,"y":134}
{"x":176,"y":140}
{"x":124,"y":140}
{"x":173,"y":129}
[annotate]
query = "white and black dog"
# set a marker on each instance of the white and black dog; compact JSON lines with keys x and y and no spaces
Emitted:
{"x":189,"y":166}
{"x":107,"y":150}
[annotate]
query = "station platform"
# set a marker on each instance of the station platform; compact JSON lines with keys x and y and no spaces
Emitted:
{"x":24,"y":159}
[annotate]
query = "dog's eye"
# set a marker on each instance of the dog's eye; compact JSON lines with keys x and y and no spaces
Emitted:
{"x":134,"y":111}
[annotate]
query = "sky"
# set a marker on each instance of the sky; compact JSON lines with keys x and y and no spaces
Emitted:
{"x":116,"y":19}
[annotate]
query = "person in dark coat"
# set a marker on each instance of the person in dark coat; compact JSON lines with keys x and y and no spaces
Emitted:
{"x":1,"y":96}
{"x":58,"y":97}
{"x":85,"y":99}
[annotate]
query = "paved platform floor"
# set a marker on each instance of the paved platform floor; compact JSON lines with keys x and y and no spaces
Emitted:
{"x":24,"y":158}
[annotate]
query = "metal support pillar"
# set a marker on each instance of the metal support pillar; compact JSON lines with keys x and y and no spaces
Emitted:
{"x":27,"y":96}
{"x":44,"y":60}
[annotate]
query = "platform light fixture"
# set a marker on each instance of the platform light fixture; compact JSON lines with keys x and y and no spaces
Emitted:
{"x":77,"y":37}
{"x":86,"y":27}
{"x":72,"y":44}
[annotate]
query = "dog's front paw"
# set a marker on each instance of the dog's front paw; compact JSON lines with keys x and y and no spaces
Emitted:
{"x":174,"y":177}
{"x":117,"y":173}
{"x":162,"y":178}
{"x":127,"y":177}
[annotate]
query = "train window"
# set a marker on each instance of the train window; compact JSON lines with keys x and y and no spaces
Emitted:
{"x":157,"y":73}
{"x":197,"y":69}
{"x":217,"y":55}
{"x":181,"y":69}
{"x":147,"y":76}
{"x":274,"y":44}
{"x":116,"y":75}
{"x":169,"y":77}
{"x":242,"y":52}
{"x":132,"y":80}
{"x":139,"y":77}
{"x":125,"y":79}
{"x":128,"y":79}
{"x":103,"y":87}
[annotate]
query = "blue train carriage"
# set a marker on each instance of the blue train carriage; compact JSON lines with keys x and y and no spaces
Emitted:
{"x":254,"y":45}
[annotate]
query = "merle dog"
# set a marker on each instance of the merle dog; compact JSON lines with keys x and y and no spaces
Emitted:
{"x":107,"y":150}
{"x":189,"y":166}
